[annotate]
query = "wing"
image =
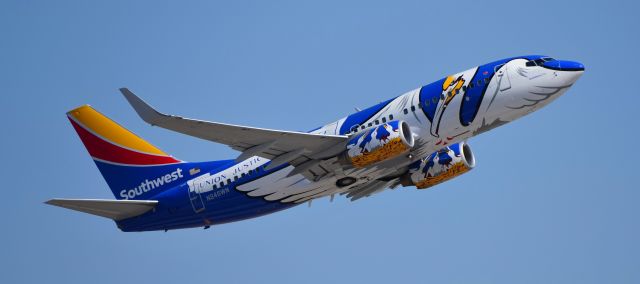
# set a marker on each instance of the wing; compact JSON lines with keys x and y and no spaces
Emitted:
{"x":295,"y":148}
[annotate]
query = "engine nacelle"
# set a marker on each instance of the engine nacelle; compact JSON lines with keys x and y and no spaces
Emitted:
{"x":383,"y":142}
{"x":441,"y":166}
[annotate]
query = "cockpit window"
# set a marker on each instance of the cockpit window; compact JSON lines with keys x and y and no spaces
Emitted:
{"x":538,"y":62}
{"x":495,"y":69}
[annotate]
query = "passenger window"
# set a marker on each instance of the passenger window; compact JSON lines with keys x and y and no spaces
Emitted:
{"x":384,"y":120}
{"x":242,"y":175}
{"x":228,"y":181}
{"x":486,"y":80}
{"x":406,"y":111}
{"x":434,"y":100}
{"x":362,"y":127}
{"x":369,"y":124}
{"x":419,"y":105}
{"x":377,"y":122}
{"x":391,"y":117}
{"x":413,"y":108}
{"x":221,"y":184}
{"x":471,"y":85}
{"x":479,"y":82}
{"x":464,"y":88}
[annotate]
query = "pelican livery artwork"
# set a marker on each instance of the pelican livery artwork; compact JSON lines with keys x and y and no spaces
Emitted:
{"x":416,"y":140}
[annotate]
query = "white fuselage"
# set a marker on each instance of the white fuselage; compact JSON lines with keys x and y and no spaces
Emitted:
{"x":512,"y":91}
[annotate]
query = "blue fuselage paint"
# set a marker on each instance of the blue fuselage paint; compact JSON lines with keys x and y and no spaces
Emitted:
{"x":355,"y":120}
{"x":224,"y":204}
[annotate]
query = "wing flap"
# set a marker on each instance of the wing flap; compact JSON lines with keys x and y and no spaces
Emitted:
{"x":112,"y":209}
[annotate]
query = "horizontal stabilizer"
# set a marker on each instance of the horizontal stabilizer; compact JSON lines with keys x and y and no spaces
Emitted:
{"x":112,"y":209}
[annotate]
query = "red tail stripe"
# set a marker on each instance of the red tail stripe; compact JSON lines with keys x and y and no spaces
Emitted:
{"x":106,"y":151}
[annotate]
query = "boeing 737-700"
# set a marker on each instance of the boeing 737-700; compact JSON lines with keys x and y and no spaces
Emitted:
{"x":418,"y":139}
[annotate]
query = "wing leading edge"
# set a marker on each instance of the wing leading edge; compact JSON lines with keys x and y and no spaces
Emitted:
{"x":280,"y":146}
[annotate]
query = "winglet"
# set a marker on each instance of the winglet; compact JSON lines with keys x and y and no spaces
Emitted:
{"x":144,"y":110}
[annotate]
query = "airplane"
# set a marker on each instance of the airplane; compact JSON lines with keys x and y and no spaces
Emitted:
{"x":418,"y":139}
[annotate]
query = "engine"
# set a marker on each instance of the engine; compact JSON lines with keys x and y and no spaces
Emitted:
{"x":383,"y":142}
{"x":441,"y":166}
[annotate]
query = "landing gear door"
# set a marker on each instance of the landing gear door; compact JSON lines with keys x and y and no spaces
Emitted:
{"x":503,"y":77}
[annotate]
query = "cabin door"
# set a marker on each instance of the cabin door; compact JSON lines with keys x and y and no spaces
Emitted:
{"x":196,"y":199}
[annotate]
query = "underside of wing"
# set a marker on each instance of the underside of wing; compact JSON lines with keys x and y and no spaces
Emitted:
{"x":370,"y":188}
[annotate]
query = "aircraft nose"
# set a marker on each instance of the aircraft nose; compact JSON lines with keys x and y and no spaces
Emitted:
{"x":564,"y":65}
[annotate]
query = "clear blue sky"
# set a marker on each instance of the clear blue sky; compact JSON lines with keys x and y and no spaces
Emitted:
{"x":554,"y":198}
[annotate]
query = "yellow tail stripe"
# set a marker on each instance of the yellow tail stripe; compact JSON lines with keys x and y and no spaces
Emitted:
{"x":112,"y":131}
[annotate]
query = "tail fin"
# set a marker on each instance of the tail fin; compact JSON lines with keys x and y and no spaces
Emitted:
{"x":131,"y":166}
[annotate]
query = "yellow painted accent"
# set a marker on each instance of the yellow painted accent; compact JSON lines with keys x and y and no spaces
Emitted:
{"x":455,"y":88}
{"x":458,"y":86}
{"x":455,"y":170}
{"x":391,"y":149}
{"x":447,"y":82}
{"x":112,"y":131}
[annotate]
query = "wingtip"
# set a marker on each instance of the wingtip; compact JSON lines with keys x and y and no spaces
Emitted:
{"x":125,"y":90}
{"x":144,"y":110}
{"x":127,"y":93}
